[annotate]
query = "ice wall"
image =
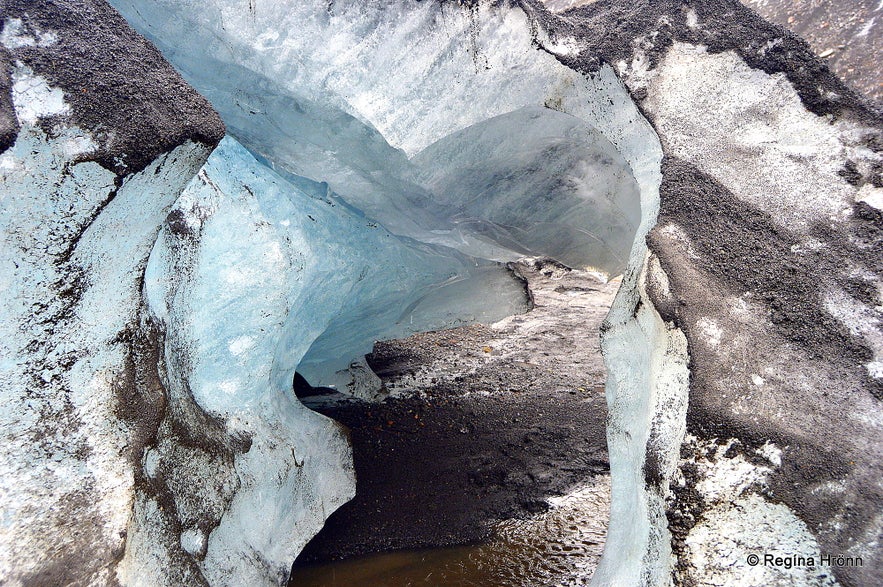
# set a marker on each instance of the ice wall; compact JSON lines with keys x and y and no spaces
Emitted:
{"x":82,"y":196}
{"x":69,"y":288}
{"x":399,"y":109}
{"x":250,"y":274}
{"x":324,"y":275}
{"x":363,"y":105}
{"x":222,"y":282}
{"x":533,"y":180}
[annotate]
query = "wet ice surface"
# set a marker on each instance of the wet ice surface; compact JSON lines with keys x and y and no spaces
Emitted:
{"x":493,"y":437}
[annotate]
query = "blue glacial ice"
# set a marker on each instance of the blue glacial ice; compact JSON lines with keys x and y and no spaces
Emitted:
{"x":480,"y":198}
{"x":438,"y":139}
{"x":250,"y":277}
{"x":339,"y":104}
{"x":256,"y":250}
{"x":383,"y":160}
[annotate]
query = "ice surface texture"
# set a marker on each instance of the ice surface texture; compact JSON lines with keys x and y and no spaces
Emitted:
{"x":424,"y":117}
{"x":79,"y":212}
{"x":271,"y":275}
{"x":363,"y":105}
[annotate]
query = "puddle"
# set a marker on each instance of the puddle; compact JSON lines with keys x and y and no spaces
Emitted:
{"x":560,"y":547}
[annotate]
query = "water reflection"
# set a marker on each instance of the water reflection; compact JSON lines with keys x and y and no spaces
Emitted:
{"x":559,"y":548}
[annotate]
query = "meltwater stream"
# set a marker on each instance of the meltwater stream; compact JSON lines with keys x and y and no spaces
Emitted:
{"x":560,"y":547}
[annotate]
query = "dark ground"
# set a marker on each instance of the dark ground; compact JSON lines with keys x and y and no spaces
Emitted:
{"x":442,"y":471}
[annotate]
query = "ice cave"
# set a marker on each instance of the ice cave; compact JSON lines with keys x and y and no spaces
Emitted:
{"x":620,"y":260}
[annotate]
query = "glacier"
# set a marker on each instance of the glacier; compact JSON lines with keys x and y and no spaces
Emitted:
{"x":393,"y":236}
{"x":448,"y":177}
{"x":345,"y":280}
{"x":495,"y":130}
{"x":556,"y":163}
{"x":381,"y":164}
{"x":252,"y":278}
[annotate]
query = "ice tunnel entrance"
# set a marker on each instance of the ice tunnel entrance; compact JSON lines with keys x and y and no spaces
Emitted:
{"x":462,"y":145}
{"x":375,"y":285}
{"x":561,"y":189}
{"x":383,"y":164}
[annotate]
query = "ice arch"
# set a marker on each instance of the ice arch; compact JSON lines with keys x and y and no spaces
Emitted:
{"x":367,"y":102}
{"x":442,"y":128}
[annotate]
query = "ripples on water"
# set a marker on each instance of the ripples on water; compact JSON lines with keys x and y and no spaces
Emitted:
{"x":559,"y":548}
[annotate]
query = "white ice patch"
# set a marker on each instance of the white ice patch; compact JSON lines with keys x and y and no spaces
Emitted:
{"x":241,"y":345}
{"x":725,"y":478}
{"x":757,"y":379}
{"x":151,"y":462}
{"x":79,"y":144}
{"x":711,"y":331}
{"x":719,"y":546}
{"x":771,"y":452}
{"x":808,"y":245}
{"x":563,"y":5}
{"x":872,"y":196}
{"x":33,"y":98}
{"x":770,"y":45}
{"x":193,"y":541}
{"x":782,"y":159}
{"x":12,"y":37}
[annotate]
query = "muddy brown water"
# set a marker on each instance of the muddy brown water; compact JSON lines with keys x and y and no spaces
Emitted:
{"x":560,"y":547}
